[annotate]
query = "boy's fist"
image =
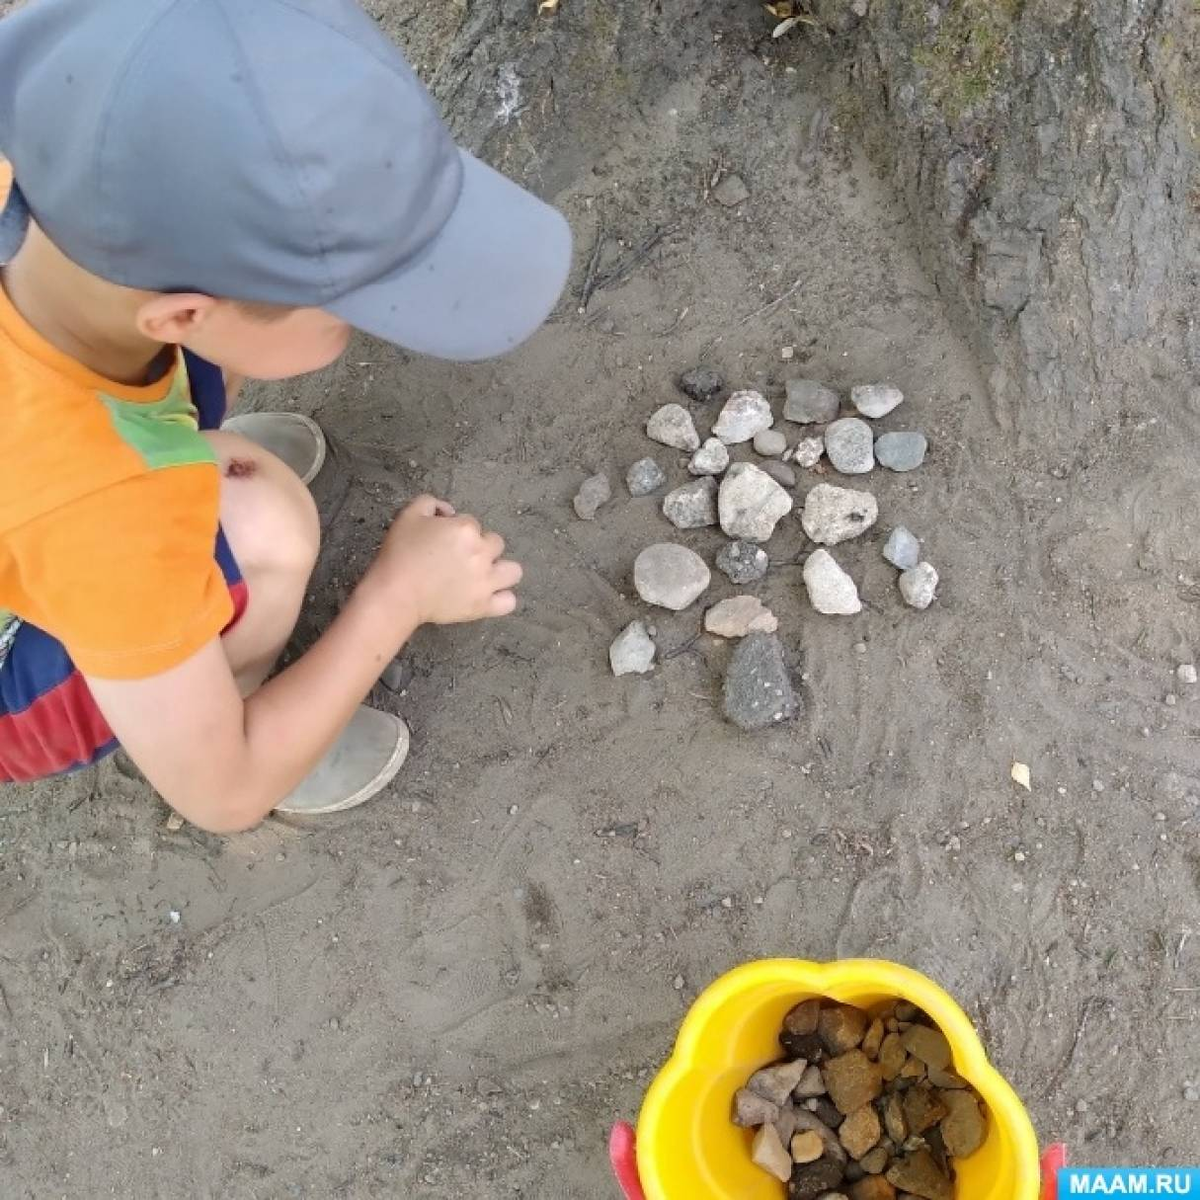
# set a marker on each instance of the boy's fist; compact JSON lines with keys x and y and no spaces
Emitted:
{"x":442,"y":568}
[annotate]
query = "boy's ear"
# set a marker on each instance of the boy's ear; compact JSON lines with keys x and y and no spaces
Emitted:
{"x":174,"y":318}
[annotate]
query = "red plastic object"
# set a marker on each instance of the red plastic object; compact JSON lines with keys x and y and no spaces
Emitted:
{"x":622,"y":1153}
{"x":1055,"y":1157}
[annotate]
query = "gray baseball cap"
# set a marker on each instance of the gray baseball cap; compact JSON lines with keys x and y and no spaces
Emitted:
{"x":279,"y":151}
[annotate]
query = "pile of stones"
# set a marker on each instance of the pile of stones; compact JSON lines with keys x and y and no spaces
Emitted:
{"x":747,"y":500}
{"x":865,"y":1106}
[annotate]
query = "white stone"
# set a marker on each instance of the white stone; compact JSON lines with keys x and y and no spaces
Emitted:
{"x":850,"y":446}
{"x":918,"y":585}
{"x":711,"y":459}
{"x":738,"y":616}
{"x":834,"y":514}
{"x":745,"y":414}
{"x":672,"y":425}
{"x":808,"y":451}
{"x":750,"y":503}
{"x":876,"y":400}
{"x":670,"y":576}
{"x":692,"y":506}
{"x":633,"y":651}
{"x":770,"y":443}
{"x":830,"y":589}
{"x":1186,"y":673}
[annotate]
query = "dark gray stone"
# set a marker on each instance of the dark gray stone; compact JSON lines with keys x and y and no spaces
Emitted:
{"x":644,"y":477}
{"x":701,"y":384}
{"x":758,"y":689}
{"x":743,"y":562}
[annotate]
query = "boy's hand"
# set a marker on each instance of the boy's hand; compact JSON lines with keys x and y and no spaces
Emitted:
{"x":442,"y":569}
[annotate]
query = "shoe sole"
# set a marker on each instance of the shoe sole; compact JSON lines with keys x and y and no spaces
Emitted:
{"x":382,"y":778}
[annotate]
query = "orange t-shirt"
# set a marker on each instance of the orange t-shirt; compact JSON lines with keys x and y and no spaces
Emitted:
{"x":109,"y":499}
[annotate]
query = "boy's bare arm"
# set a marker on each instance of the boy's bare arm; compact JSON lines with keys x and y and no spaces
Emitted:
{"x":224,"y":763}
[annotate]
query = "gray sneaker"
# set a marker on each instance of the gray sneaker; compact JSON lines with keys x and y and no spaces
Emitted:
{"x":293,"y":437}
{"x":363,"y":761}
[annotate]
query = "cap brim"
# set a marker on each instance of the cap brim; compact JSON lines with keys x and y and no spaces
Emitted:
{"x":485,"y":283}
{"x":14,"y":224}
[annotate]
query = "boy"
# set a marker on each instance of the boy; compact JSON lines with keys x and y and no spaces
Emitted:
{"x":208,"y":186}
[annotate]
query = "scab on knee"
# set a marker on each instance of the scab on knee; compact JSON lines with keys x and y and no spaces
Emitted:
{"x":240,"y":468}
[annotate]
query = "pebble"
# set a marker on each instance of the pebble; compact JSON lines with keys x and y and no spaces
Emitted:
{"x":398,"y":674}
{"x":808,"y":451}
{"x":701,"y":384}
{"x":758,"y":690}
{"x":1191,"y":1093}
{"x":876,"y":399}
{"x":745,"y":414}
{"x":901,"y":451}
{"x":743,"y":562}
{"x":810,"y":403}
{"x":644,"y":477}
{"x":918,"y":585}
{"x":750,"y":503}
{"x":834,"y":514}
{"x":852,"y":1080}
{"x":632,"y":653}
{"x":711,"y":459}
{"x":902,"y":549}
{"x":739,"y":616}
{"x":731,"y":191}
{"x":770,"y":443}
{"x":781,"y":473}
{"x":672,"y":425}
{"x":830,"y":589}
{"x":594,"y":493}
{"x":692,"y":506}
{"x":850,"y":446}
{"x":670,"y":576}
{"x":1186,"y":673}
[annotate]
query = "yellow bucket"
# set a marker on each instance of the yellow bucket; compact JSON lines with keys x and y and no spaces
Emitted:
{"x":689,"y":1149}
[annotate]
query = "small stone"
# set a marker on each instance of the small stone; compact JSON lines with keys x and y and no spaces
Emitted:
{"x":810,"y":403}
{"x":808,"y":451}
{"x":875,"y":1162}
{"x":850,"y":446}
{"x":174,"y":823}
{"x":398,"y":674}
{"x":873,"y":1038}
{"x":841,"y":1027}
{"x":913,"y":1068}
{"x":594,"y":493}
{"x":644,"y":477}
{"x":711,"y":459}
{"x":701,"y":384}
{"x":672,"y":425}
{"x":775,"y":1083}
{"x":892,"y":1056}
{"x":963,"y":1127}
{"x":743,"y":562}
{"x":802,"y":1045}
{"x":692,"y":506}
{"x":929,"y":1045}
{"x":738,"y":616}
{"x":876,"y":400}
{"x":812,"y":1180}
{"x":745,"y":414}
{"x":860,"y":1131}
{"x":874,"y":1187}
{"x":781,"y":473}
{"x":750,"y":1109}
{"x":758,"y":690}
{"x":923,"y":1109}
{"x":670,"y":576}
{"x":893,"y":1118}
{"x":918,"y":585}
{"x":769,"y":1153}
{"x":677,"y":983}
{"x":731,"y":191}
{"x":830,"y":589}
{"x":1191,"y":1093}
{"x":1186,"y":673}
{"x":803,"y":1018}
{"x":835,"y":514}
{"x":807,"y":1147}
{"x":632,"y":653}
{"x":902,"y":549}
{"x":945,"y":1079}
{"x":811,"y":1084}
{"x":751,"y":503}
{"x":920,"y":1175}
{"x":805,"y":1121}
{"x":901,"y":451}
{"x":827,"y":1111}
{"x":770,"y":443}
{"x":852,"y":1080}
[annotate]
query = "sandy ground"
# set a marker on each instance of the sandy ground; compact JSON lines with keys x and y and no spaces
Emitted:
{"x":454,"y":991}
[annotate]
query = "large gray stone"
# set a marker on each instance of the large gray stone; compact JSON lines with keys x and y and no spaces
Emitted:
{"x":750,"y":503}
{"x":745,"y":414}
{"x":670,"y":576}
{"x":901,"y":451}
{"x":850,"y":446}
{"x":672,"y":425}
{"x":633,"y":651}
{"x":830,"y":589}
{"x":692,"y":506}
{"x":810,"y":403}
{"x":758,"y":690}
{"x":834,"y":514}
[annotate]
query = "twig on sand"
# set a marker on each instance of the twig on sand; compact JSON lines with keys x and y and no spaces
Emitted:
{"x":623,"y":268}
{"x":589,"y":279}
{"x":766,"y":308}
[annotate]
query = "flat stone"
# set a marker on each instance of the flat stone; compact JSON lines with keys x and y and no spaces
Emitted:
{"x":805,"y":1121}
{"x":731,"y":191}
{"x":876,"y":400}
{"x":751,"y":503}
{"x":850,"y":446}
{"x":743,"y":562}
{"x":852,"y":1080}
{"x":860,"y":1131}
{"x":768,"y":1152}
{"x":670,"y":576}
{"x":902,"y":549}
{"x":804,"y":1017}
{"x":781,"y":473}
{"x":873,"y":1039}
{"x":893,"y":1118}
{"x":901,"y":451}
{"x":810,"y":403}
{"x":806,"y":1147}
{"x":923,"y":1108}
{"x":711,"y":459}
{"x":874,"y":1187}
{"x":808,"y":451}
{"x":632,"y":653}
{"x":811,"y":1180}
{"x":770,"y":443}
{"x":919,"y":1175}
{"x":592,"y":495}
{"x":811,"y":1084}
{"x":644,"y":477}
{"x":672,"y":425}
{"x":738,"y":616}
{"x":963,"y":1127}
{"x":830,"y":589}
{"x":775,"y":1083}
{"x":701,"y":384}
{"x":758,"y":690}
{"x":745,"y":414}
{"x":918,"y":585}
{"x":833,"y":515}
{"x":750,"y":1109}
{"x":875,"y":1162}
{"x":892,"y":1056}
{"x":841,"y":1027}
{"x":927,"y":1044}
{"x":692,"y":506}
